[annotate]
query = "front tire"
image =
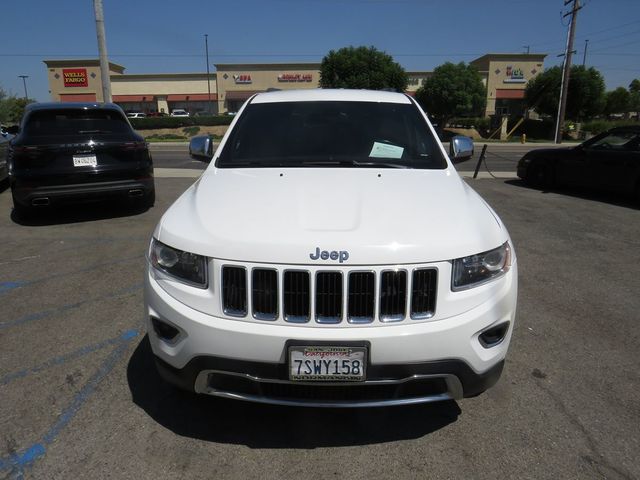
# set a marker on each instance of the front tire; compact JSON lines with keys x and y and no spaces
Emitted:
{"x":150,"y":199}
{"x":23,"y":212}
{"x":541,"y":176}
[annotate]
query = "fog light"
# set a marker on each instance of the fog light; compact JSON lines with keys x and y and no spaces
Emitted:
{"x":494,"y":336}
{"x":164,"y":330}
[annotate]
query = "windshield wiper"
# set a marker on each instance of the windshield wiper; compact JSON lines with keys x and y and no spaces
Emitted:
{"x":351,"y":163}
{"x":94,"y":131}
{"x":380,"y":164}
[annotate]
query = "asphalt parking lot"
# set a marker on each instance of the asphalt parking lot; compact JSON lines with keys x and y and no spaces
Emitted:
{"x":81,"y":399}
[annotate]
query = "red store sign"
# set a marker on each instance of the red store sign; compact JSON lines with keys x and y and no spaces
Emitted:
{"x":242,"y":79}
{"x":295,"y":77}
{"x":75,"y":77}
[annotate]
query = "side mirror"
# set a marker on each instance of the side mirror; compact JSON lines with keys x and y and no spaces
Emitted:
{"x":201,"y":148}
{"x":13,"y":130}
{"x":460,"y":148}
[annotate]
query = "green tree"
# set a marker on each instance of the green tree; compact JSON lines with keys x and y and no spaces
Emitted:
{"x":12,"y":107}
{"x":585,"y":97}
{"x":634,"y":95}
{"x":361,"y":67}
{"x":453,"y":90}
{"x":617,"y":101}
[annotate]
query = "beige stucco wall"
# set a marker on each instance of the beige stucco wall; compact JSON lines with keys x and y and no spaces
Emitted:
{"x":129,"y":85}
{"x":497,"y":78}
{"x":262,"y":77}
{"x":56,"y":85}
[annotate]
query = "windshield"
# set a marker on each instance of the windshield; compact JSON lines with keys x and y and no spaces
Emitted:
{"x":74,"y":122}
{"x":332,"y":134}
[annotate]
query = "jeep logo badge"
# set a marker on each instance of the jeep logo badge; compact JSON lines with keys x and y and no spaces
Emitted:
{"x":341,"y":256}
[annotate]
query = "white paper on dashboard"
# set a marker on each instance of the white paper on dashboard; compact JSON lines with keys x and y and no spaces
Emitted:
{"x":383,"y":150}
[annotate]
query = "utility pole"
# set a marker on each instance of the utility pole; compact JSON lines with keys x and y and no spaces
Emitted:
{"x":584,"y":55}
{"x":102,"y":50}
{"x":566,"y":69}
{"x":206,"y":47}
{"x":527,"y":47}
{"x":24,"y":82}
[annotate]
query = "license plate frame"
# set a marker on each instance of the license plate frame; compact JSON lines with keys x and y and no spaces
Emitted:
{"x":330,"y":363}
{"x":85,"y":161}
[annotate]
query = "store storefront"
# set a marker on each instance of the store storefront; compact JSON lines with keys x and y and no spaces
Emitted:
{"x":504,"y":75}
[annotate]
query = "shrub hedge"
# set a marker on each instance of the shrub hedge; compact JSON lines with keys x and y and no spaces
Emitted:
{"x":598,"y":126}
{"x":479,"y":123}
{"x":534,"y":129}
{"x":177,"y":122}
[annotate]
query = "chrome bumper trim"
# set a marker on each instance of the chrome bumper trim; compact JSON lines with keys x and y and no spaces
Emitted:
{"x":454,"y":391}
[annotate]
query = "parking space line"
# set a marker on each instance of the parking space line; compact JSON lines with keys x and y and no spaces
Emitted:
{"x":68,"y":357}
{"x":17,"y":462}
{"x":32,"y":317}
{"x":72,"y":272}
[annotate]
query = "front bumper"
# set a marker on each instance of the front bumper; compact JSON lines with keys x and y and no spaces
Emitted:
{"x":410,"y":362}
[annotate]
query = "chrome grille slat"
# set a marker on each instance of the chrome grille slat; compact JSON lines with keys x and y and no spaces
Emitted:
{"x":423,"y":294}
{"x":234,"y":291}
{"x":328,"y":297}
{"x":264,"y":293}
{"x":393,"y":295}
{"x":362,"y":297}
{"x":297,"y":296}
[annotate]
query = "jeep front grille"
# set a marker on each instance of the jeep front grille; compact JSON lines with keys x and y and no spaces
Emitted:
{"x":329,"y":297}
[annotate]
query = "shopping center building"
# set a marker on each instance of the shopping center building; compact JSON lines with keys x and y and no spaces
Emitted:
{"x":226,"y":89}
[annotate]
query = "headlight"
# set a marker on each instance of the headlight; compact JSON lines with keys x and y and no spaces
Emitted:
{"x":184,"y":266}
{"x":477,"y":269}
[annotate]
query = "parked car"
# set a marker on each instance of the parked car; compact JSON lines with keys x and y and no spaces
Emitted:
{"x":178,"y":112}
{"x":608,"y":162}
{"x":157,"y":114}
{"x":75,"y":152}
{"x":203,"y":113}
{"x":5,"y":138}
{"x":330,"y":255}
{"x":136,"y":115}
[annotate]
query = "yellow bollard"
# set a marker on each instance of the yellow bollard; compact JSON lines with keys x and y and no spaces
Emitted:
{"x":523,"y":138}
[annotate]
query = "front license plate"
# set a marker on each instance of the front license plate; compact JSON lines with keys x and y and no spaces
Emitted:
{"x":85,"y":161}
{"x":326,"y":363}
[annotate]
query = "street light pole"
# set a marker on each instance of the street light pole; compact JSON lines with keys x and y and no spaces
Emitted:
{"x":102,"y":50}
{"x":24,"y":82}
{"x":206,"y":46}
{"x":584,"y":55}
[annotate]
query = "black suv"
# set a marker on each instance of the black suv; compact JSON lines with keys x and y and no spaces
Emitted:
{"x":77,"y":152}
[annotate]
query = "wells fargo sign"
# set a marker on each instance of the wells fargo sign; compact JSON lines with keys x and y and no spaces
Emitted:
{"x":75,"y":77}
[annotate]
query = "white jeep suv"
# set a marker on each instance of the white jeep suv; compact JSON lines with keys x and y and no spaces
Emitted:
{"x":330,"y":255}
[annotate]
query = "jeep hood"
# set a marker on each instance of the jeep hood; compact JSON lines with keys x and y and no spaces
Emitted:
{"x":379,"y":216}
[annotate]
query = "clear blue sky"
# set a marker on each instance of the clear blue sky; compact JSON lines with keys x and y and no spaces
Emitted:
{"x":160,"y":36}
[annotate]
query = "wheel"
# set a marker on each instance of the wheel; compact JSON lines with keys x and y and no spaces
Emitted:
{"x":150,"y":198}
{"x":541,"y":176}
{"x":23,"y":212}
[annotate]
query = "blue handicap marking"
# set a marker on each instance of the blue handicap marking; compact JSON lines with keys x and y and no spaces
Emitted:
{"x":6,"y":286}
